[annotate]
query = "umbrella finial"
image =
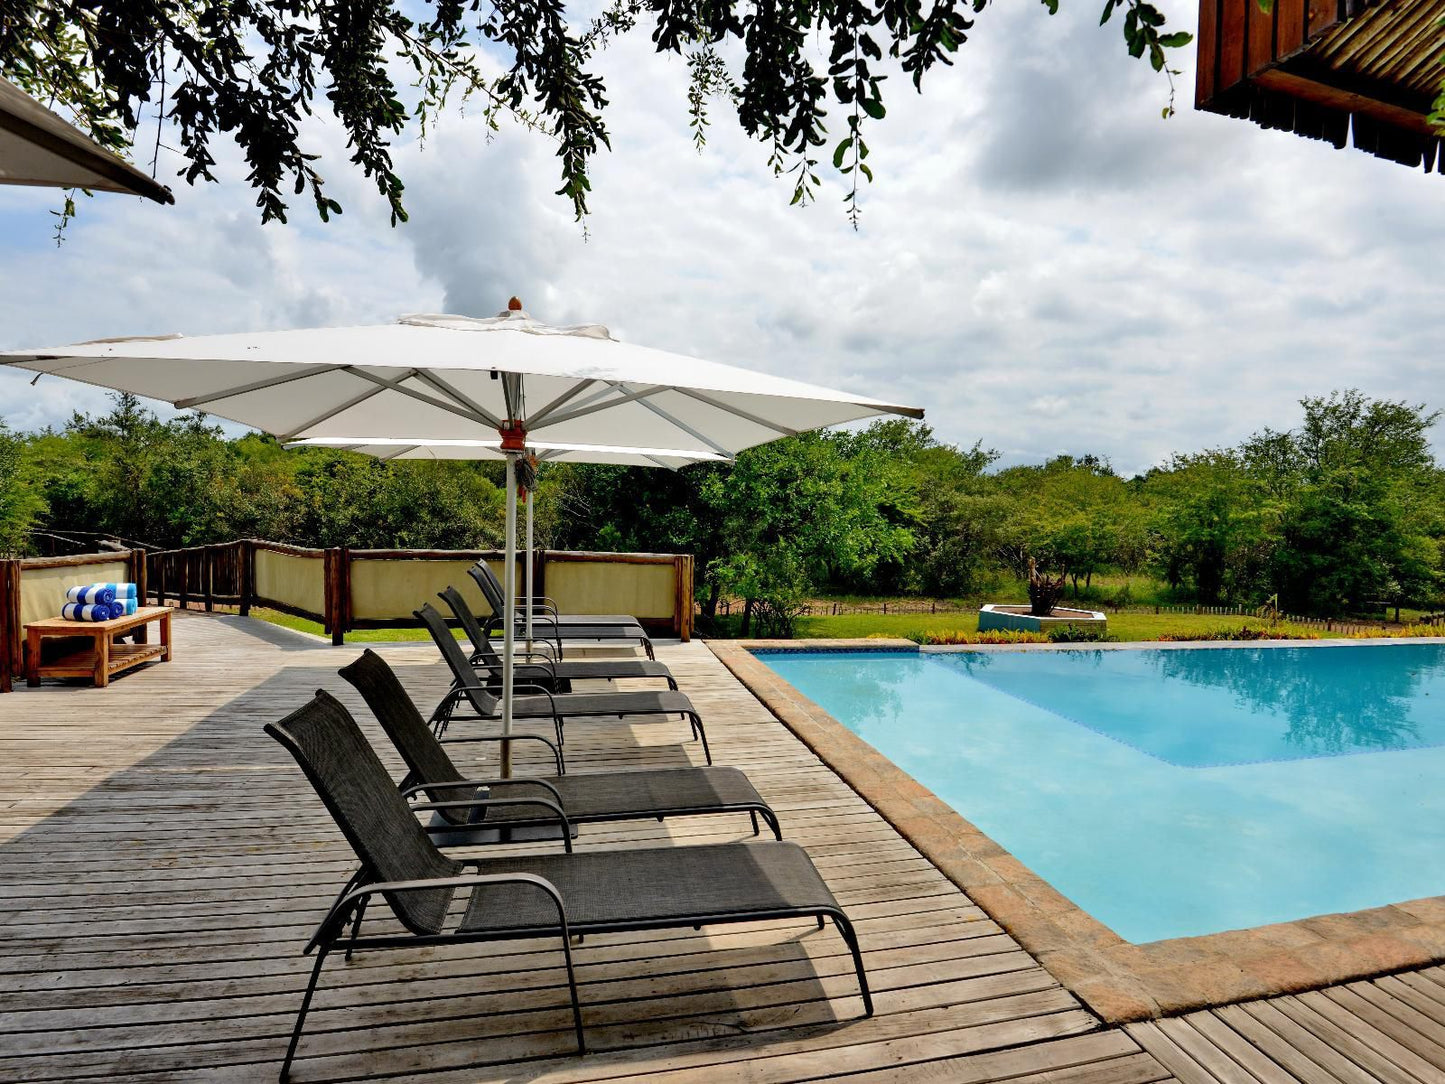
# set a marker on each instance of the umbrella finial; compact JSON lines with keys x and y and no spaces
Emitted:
{"x":514,"y":305}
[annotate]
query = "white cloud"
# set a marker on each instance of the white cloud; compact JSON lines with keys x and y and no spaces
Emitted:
{"x":1043,"y":263}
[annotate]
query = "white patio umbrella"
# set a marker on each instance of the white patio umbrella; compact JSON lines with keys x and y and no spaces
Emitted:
{"x":462,"y":378}
{"x":39,"y":148}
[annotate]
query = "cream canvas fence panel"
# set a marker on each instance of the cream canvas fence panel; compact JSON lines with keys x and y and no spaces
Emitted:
{"x":292,"y":580}
{"x":647,"y":591}
{"x":42,"y":590}
{"x":388,"y":589}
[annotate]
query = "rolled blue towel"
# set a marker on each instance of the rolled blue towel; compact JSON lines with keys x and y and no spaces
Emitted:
{"x":120,"y":590}
{"x":127,"y":605}
{"x":92,"y":594}
{"x":117,"y":608}
{"x":80,"y":611}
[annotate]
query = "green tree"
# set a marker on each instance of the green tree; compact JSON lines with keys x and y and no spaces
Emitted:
{"x":1360,"y":522}
{"x":1211,"y":524}
{"x":1074,"y":516}
{"x":797,"y":513}
{"x":251,"y":72}
{"x":20,"y":503}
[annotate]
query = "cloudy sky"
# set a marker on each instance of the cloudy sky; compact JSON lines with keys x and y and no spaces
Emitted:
{"x":1043,"y":263}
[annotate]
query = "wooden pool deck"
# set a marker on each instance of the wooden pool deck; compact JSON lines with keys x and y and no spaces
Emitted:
{"x":162,"y":862}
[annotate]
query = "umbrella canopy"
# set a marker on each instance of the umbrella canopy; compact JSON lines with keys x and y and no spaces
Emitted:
{"x":459,"y":378}
{"x":39,"y":148}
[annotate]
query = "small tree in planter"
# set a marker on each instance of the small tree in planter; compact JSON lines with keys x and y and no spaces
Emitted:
{"x":1044,"y":590}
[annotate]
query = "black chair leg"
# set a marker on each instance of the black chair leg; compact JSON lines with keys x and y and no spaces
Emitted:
{"x":356,"y":925}
{"x":572,"y":990}
{"x":753,"y":816}
{"x":301,"y":1016}
{"x":698,"y":727}
{"x":850,"y":938}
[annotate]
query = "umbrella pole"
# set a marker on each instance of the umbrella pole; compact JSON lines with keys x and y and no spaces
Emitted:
{"x":531,"y":500}
{"x":509,"y":607}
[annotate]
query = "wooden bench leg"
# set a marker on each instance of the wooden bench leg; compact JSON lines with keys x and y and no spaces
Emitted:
{"x":102,"y":660}
{"x":32,"y":658}
{"x":166,"y":636}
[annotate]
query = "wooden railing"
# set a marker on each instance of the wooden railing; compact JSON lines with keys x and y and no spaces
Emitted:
{"x":345,"y":589}
{"x":341,"y":588}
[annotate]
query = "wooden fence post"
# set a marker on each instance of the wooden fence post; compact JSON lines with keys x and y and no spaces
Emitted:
{"x":244,"y":555}
{"x":344,"y":592}
{"x":9,"y":622}
{"x":208,"y":576}
{"x":184,"y":587}
{"x":678,"y":583}
{"x":137,"y":575}
{"x":335,"y":567}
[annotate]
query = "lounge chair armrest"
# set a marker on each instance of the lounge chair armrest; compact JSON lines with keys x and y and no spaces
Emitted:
{"x":556,"y":810}
{"x":496,"y":781}
{"x":338,"y":914}
{"x":548,"y":742}
{"x":471,"y":881}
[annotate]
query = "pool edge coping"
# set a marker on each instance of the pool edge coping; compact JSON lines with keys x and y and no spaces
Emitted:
{"x":1119,"y":981}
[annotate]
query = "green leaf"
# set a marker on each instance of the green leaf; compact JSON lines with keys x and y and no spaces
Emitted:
{"x":840,"y":153}
{"x":1176,"y":40}
{"x":873,"y":107}
{"x":1108,"y":11}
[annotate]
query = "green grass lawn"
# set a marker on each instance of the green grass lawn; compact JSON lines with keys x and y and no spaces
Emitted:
{"x":356,"y":636}
{"x":1124,"y":626}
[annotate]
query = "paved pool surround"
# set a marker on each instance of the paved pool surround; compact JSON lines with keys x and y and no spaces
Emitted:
{"x":1118,"y":980}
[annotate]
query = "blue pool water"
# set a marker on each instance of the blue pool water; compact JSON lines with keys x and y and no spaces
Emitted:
{"x":1171,"y":793}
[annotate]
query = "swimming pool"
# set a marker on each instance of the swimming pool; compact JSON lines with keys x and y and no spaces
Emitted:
{"x":1172,"y":793}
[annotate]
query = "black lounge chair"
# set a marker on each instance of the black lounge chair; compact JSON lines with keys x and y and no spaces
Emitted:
{"x":467,"y":686}
{"x":506,"y":805}
{"x":556,"y":895}
{"x":553,"y":629}
{"x":538,"y":669}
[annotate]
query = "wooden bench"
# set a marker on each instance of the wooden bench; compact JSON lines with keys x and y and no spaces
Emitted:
{"x":105,"y":657}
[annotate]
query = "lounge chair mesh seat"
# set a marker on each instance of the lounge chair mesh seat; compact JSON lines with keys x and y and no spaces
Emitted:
{"x":559,"y":895}
{"x":599,"y":796}
{"x":562,"y":672}
{"x":662,"y":886}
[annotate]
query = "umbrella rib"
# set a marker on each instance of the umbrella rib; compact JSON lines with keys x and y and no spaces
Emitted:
{"x":457,"y":395}
{"x":400,"y":451}
{"x":566,"y":397}
{"x":593,"y":408}
{"x":718,"y":404}
{"x":689,"y":430}
{"x":257,"y":385}
{"x":393,"y":385}
{"x":331,"y":413}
